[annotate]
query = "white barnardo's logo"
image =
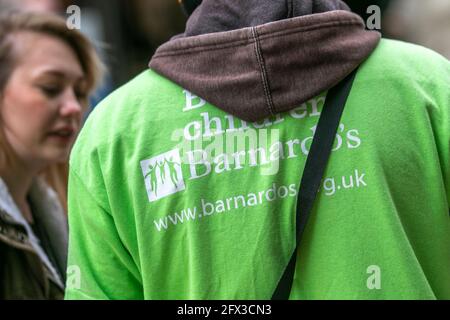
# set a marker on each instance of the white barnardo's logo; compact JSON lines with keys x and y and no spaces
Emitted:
{"x":219,"y":144}
{"x":163,"y":175}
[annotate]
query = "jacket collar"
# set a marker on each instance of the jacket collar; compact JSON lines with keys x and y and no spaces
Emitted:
{"x":50,"y":214}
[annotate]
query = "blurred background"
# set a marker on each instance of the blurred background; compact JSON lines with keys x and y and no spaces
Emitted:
{"x":127,"y":33}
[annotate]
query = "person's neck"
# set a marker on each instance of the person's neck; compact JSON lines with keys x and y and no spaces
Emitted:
{"x":19,"y":179}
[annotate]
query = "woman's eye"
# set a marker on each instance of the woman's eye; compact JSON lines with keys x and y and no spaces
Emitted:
{"x":81,"y":95}
{"x":50,"y":91}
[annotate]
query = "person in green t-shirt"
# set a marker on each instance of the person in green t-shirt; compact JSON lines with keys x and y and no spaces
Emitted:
{"x":184,"y":182}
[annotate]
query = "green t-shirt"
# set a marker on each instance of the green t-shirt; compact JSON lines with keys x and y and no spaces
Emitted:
{"x":172,"y":198}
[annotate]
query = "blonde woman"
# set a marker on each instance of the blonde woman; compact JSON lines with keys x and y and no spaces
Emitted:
{"x":46,"y":74}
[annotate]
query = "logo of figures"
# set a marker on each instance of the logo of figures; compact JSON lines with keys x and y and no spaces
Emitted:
{"x":158,"y":172}
{"x":163,"y":175}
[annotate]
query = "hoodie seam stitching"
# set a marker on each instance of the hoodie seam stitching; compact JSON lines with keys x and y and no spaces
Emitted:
{"x":202,"y":48}
{"x":311,"y":28}
{"x":263,"y":71}
{"x":225,"y":44}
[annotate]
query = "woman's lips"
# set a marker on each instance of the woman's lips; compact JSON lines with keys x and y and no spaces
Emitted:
{"x":65,"y":135}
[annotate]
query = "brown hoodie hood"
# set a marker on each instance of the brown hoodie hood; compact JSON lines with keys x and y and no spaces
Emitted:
{"x":256,"y":58}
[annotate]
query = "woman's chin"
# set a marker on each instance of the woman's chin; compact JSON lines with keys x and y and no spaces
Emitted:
{"x":57,"y":156}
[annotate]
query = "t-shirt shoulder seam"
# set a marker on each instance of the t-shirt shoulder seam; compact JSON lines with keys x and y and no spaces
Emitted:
{"x":78,"y":176}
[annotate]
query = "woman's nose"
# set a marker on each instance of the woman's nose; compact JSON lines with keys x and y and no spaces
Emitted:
{"x":71,"y":106}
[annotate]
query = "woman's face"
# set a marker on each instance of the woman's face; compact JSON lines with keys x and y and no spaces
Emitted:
{"x":41,"y":104}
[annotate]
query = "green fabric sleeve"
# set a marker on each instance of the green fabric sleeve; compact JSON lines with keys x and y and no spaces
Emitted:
{"x":439,"y":87}
{"x":107,"y":270}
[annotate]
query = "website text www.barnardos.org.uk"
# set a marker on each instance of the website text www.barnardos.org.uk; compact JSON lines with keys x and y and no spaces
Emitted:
{"x":207,"y":208}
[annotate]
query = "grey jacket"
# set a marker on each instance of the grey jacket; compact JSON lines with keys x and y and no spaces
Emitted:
{"x":32,"y":260}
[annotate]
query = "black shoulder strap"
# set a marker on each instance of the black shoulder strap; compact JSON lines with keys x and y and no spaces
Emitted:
{"x":314,"y":170}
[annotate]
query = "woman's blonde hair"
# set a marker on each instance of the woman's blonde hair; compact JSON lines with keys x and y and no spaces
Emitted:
{"x":14,"y":22}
